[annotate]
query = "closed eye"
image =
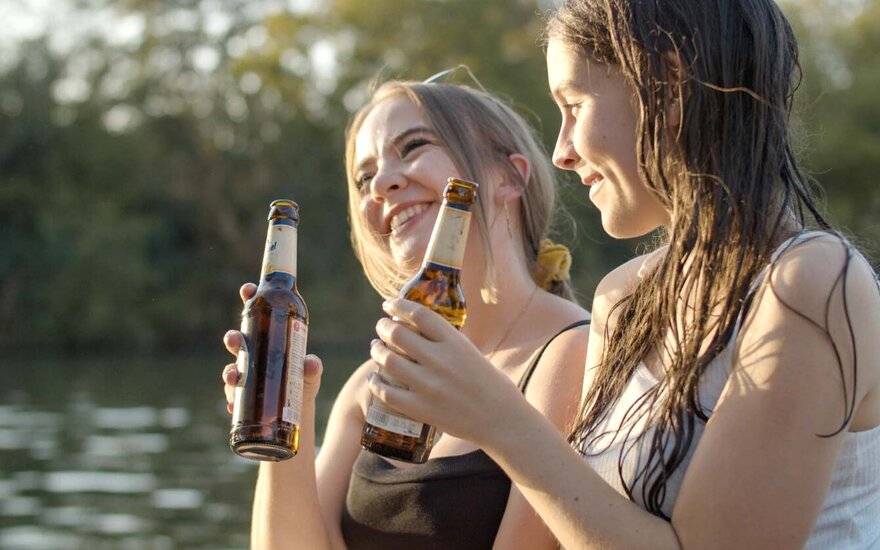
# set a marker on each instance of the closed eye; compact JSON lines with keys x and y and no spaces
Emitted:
{"x":412,"y":145}
{"x":362,"y":180}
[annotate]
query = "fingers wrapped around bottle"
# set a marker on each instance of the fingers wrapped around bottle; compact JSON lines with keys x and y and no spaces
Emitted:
{"x":230,"y":375}
{"x":439,"y":376}
{"x":313,"y":367}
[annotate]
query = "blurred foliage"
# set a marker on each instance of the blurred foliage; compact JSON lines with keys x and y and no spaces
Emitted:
{"x":135,"y":173}
{"x":840,"y":112}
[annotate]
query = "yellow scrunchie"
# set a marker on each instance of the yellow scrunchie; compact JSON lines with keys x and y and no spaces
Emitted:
{"x":555,"y":261}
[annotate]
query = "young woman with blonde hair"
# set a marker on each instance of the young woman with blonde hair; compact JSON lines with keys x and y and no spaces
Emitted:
{"x":401,"y":148}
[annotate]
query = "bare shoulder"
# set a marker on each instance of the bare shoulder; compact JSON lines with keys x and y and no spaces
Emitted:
{"x":821,"y":269}
{"x":560,"y":312}
{"x":820,"y":299}
{"x":555,"y":385}
{"x":563,"y":343}
{"x":621,"y":281}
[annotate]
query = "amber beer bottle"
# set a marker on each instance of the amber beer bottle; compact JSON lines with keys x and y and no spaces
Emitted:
{"x":274,"y":326}
{"x":437,"y":285}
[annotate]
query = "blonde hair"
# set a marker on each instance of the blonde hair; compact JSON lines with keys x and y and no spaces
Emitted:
{"x":479,"y":132}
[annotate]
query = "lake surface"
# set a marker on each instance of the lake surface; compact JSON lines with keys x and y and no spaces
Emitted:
{"x":129,"y":453}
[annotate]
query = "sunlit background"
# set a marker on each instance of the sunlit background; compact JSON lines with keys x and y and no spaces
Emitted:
{"x":141,"y":142}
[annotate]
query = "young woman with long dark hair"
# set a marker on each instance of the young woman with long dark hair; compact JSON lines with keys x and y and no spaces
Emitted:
{"x":732,"y":384}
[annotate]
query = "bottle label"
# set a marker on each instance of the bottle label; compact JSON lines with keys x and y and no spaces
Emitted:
{"x":295,"y":371}
{"x":382,"y":416}
{"x":449,"y":237}
{"x":244,"y":365}
{"x":280,"y":253}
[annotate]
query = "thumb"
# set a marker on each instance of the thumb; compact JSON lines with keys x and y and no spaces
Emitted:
{"x":312,"y":369}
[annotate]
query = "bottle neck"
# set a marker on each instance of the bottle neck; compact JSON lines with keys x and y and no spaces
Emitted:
{"x":279,"y":256}
{"x":446,"y":247}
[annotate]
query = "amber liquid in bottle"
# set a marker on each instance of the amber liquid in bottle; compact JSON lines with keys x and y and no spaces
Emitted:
{"x":437,"y":285}
{"x":274,"y":324}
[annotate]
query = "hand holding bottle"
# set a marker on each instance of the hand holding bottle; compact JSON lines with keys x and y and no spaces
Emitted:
{"x":451,"y":385}
{"x":436,"y":285}
{"x":232,"y":340}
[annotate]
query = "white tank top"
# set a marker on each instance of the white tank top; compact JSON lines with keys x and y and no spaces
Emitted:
{"x":850,"y":516}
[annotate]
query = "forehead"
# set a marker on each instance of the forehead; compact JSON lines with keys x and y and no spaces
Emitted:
{"x":387,"y":119}
{"x":566,"y":67}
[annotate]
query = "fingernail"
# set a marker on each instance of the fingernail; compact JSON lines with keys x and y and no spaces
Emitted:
{"x":374,"y":341}
{"x":386,"y":305}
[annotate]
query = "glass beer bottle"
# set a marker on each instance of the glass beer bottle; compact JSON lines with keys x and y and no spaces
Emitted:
{"x":437,"y":285}
{"x":274,"y":326}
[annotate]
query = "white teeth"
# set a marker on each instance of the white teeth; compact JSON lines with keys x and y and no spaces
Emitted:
{"x":404,"y":215}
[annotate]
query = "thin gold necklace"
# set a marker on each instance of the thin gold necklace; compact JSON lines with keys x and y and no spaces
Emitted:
{"x":512,"y":324}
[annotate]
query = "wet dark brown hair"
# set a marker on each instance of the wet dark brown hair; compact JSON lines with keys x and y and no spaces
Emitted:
{"x":728,"y":176}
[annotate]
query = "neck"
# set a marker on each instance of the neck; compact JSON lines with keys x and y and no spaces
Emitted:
{"x":487,"y":322}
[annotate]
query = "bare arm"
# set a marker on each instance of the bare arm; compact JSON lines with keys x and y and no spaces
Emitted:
{"x":341,"y":448}
{"x":286,"y":512}
{"x":298,"y":503}
{"x":554,"y":390}
{"x":761,"y":461}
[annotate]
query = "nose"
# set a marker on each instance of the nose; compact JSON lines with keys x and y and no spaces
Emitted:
{"x":386,"y":182}
{"x":564,"y":155}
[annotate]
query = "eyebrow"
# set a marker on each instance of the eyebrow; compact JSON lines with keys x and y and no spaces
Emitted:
{"x":569,"y":86}
{"x":399,"y":138}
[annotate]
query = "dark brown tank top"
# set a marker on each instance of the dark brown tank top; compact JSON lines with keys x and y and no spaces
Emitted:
{"x":451,"y":502}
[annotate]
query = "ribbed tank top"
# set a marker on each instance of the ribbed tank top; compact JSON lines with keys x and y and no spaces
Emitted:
{"x":850,"y":516}
{"x":450,"y":502}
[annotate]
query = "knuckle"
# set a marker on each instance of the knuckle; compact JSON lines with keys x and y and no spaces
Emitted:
{"x":394,"y":371}
{"x":422,"y":316}
{"x":395,"y":331}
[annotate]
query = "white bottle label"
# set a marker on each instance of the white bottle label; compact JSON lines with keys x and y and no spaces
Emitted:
{"x":280,"y":252}
{"x":449,"y":237}
{"x":295,"y":361}
{"x":382,"y":416}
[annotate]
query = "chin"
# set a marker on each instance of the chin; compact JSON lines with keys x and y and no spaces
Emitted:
{"x":620,"y":229}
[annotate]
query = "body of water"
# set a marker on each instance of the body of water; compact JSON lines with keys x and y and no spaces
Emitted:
{"x":115,"y":452}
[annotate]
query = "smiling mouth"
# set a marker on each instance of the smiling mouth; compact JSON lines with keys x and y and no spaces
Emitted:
{"x":593,"y":179}
{"x":405,"y":215}
{"x":594,"y":182}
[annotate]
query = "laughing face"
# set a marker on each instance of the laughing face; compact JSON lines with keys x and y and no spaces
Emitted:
{"x":597,"y":140}
{"x":401,"y":168}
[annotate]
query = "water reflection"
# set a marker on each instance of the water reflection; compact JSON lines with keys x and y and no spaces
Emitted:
{"x":87,"y":462}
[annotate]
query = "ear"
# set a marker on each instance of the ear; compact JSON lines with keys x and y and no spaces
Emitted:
{"x":511,"y":190}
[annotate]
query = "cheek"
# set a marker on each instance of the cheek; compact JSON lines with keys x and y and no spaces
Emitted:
{"x":588,"y":135}
{"x":372,"y":214}
{"x":436,"y":161}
